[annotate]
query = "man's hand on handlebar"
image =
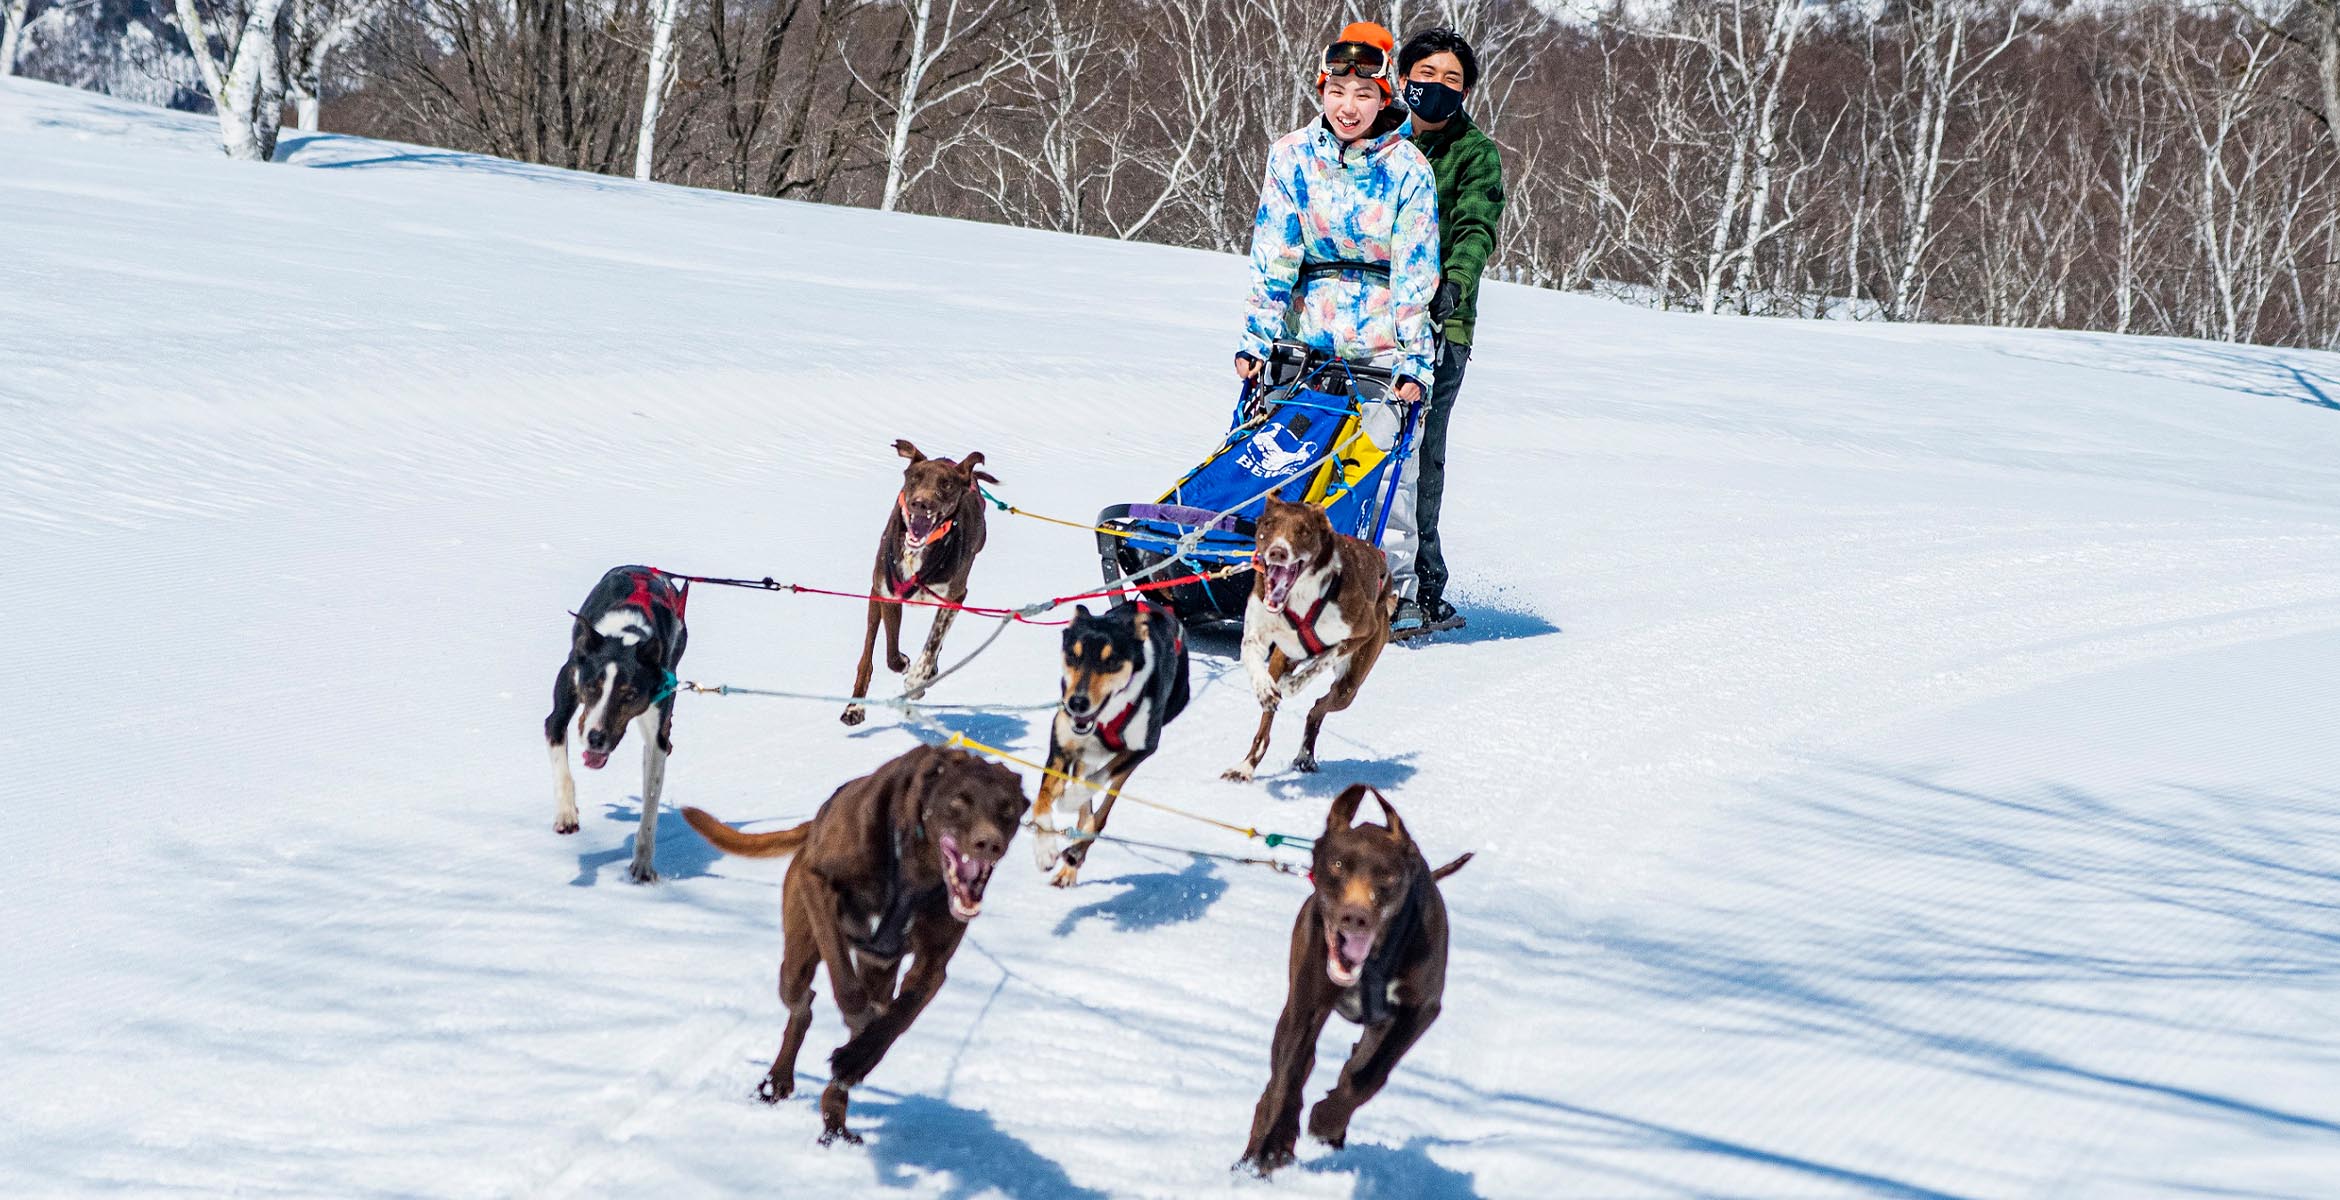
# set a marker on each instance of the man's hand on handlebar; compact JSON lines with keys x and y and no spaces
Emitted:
{"x":1246,"y":366}
{"x":1409,"y":391}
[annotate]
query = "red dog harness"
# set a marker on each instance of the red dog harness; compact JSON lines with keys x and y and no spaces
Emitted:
{"x":653,"y":594}
{"x":1306,"y":626}
{"x":903,"y":589}
{"x":1110,"y":734}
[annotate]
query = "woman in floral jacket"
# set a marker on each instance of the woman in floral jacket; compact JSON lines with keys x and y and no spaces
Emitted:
{"x":1348,"y":188}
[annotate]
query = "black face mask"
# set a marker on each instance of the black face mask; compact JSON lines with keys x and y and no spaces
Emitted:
{"x":1432,"y":101}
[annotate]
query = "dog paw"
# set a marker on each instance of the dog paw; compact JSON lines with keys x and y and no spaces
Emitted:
{"x":1265,"y":1162}
{"x":1240,"y":774}
{"x":566,"y":824}
{"x":897,"y":663}
{"x":1305,"y":764}
{"x":1066,"y":874}
{"x":640,"y":873}
{"x":839,"y":1133}
{"x":853,"y":715}
{"x":772,"y":1089}
{"x":1328,"y":1124}
{"x":852,"y":1062}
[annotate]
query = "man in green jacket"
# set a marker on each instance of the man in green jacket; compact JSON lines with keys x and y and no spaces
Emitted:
{"x":1440,"y":69}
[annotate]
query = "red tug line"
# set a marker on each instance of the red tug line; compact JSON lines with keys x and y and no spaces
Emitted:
{"x":768,"y":584}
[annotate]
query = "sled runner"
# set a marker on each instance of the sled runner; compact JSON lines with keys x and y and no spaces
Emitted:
{"x":1314,"y":428}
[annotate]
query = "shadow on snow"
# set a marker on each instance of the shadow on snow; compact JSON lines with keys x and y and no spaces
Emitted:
{"x":921,"y":1133}
{"x":1153,"y":900}
{"x":681,"y":853}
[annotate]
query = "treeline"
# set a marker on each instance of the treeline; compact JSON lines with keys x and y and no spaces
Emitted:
{"x":2150,"y":167}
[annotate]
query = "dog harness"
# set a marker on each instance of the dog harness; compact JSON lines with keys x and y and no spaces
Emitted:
{"x":1306,"y":626}
{"x":653,"y":594}
{"x":1110,"y":734}
{"x":887,"y":940}
{"x":903,"y":589}
{"x":1373,"y":977}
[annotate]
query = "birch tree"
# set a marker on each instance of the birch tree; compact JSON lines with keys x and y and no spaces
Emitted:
{"x":936,"y":63}
{"x":318,"y":28}
{"x":12,"y":34}
{"x":1939,"y":72}
{"x":248,"y":88}
{"x":660,"y":76}
{"x":1748,"y":46}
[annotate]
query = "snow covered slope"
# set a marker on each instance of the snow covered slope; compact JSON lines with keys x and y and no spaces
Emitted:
{"x":1900,"y":759}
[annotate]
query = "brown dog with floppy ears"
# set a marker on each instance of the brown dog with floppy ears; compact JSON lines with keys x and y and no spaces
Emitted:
{"x":927,"y":551}
{"x":894,"y":865}
{"x":1320,"y":601}
{"x":1369,"y":944}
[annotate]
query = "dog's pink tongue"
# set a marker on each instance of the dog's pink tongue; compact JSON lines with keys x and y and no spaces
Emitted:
{"x":1354,"y":947}
{"x":1280,"y":581}
{"x":965,"y":869}
{"x":596,"y":759}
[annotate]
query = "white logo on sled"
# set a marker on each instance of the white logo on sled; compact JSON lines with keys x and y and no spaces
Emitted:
{"x":1275,"y":451}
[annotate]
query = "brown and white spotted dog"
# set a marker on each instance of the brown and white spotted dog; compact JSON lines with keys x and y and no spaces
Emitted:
{"x":1124,"y":681}
{"x":932,"y":536}
{"x":1370,"y":944}
{"x":1320,"y":604}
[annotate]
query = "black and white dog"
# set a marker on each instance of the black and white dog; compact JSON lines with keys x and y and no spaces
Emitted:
{"x":1124,"y":680}
{"x":623,"y":650}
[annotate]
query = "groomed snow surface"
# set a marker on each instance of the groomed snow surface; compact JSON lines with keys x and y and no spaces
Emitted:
{"x":1901,"y":760}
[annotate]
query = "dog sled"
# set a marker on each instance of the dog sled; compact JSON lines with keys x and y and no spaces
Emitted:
{"x":1313,"y":428}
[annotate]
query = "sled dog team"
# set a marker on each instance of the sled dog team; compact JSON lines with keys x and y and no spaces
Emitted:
{"x":1372,"y":230}
{"x":895,"y":863}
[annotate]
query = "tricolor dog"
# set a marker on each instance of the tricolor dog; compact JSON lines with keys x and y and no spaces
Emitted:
{"x":1320,"y":604}
{"x":931,"y":538}
{"x":624,"y":646}
{"x":1124,"y":681}
{"x":1369,"y":944}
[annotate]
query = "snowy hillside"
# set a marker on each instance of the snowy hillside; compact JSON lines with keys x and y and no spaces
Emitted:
{"x":1900,"y":760}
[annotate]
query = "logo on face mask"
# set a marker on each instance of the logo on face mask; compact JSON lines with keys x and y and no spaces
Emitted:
{"x":1432,"y":101}
{"x":1275,"y":451}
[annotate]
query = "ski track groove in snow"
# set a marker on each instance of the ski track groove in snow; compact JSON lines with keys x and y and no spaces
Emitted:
{"x":1897,"y":758}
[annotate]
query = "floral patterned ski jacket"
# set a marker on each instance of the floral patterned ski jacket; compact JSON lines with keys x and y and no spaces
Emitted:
{"x":1375,"y":201}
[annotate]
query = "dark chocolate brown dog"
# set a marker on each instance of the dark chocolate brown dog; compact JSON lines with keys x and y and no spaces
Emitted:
{"x":1369,"y":944}
{"x":893,"y":865}
{"x":926,"y":553}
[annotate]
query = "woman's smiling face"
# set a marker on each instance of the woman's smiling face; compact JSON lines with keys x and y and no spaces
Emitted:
{"x":1350,"y":105}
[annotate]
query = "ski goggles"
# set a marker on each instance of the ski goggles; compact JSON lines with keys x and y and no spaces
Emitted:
{"x":1364,"y":60}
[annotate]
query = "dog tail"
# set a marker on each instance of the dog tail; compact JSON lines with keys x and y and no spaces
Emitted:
{"x":747,"y":845}
{"x":1440,"y":873}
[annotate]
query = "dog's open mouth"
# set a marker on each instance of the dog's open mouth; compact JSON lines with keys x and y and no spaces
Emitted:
{"x":1345,"y":954}
{"x":1280,"y":578}
{"x":919,"y":525}
{"x":1082,"y":726}
{"x":596,"y":759}
{"x":964,"y":877}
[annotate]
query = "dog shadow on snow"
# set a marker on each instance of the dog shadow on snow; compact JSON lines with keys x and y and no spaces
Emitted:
{"x":1404,"y":1173}
{"x":1152,"y":900}
{"x":1334,"y":775}
{"x":925,"y":1135}
{"x":682,"y":853}
{"x":936,"y":728}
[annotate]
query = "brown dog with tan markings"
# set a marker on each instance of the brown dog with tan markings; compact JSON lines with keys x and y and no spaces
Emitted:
{"x":893,"y":865}
{"x":1370,"y":944}
{"x":1320,"y":601}
{"x":926,"y":553}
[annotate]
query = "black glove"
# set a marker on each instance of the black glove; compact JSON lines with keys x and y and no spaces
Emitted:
{"x":1442,"y":304}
